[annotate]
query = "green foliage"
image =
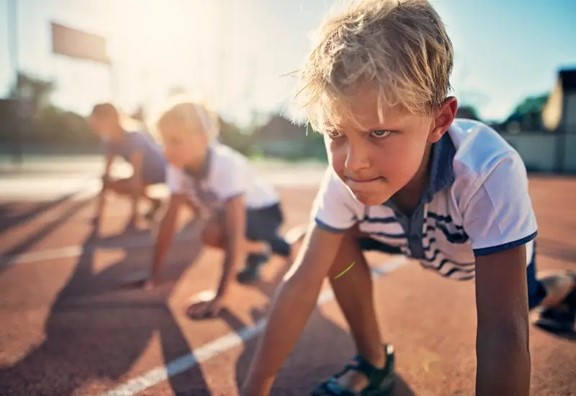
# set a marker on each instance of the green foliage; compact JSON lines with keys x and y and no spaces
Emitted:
{"x":32,"y":90}
{"x":231,"y":135}
{"x":53,"y":126}
{"x":467,"y":111}
{"x":45,"y":125}
{"x":528,"y":114}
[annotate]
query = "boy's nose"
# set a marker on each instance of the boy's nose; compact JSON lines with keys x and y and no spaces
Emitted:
{"x":357,"y":157}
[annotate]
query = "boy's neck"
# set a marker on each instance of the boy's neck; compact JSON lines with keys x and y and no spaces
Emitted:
{"x":196,"y":167}
{"x":408,"y":198}
{"x":118,"y":133}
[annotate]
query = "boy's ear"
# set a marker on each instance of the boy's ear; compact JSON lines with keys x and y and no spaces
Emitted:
{"x":443,"y":119}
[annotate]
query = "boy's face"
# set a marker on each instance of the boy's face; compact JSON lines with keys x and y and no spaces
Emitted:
{"x":182,"y":147}
{"x":381,"y":158}
{"x":103,"y":125}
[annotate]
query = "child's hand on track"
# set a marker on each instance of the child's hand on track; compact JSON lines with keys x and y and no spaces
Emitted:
{"x":205,"y":309}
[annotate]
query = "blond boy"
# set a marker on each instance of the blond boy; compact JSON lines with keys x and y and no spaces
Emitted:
{"x":406,"y":177}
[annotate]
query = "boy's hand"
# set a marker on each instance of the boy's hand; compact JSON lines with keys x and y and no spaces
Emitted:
{"x":150,"y":284}
{"x":206,"y":309}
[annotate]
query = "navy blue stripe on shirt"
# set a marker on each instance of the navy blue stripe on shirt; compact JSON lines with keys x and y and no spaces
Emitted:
{"x":386,"y":235}
{"x":431,"y":241}
{"x":448,"y":275}
{"x":453,"y":238}
{"x":329,"y":228}
{"x":383,"y":220}
{"x":444,"y":261}
{"x":445,"y":219}
{"x":505,"y":246}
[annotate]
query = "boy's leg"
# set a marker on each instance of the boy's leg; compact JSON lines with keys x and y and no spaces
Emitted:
{"x":554,"y":294}
{"x":155,"y":203}
{"x":125,"y":187}
{"x":558,"y":286}
{"x":261,"y":231}
{"x":354,"y":293}
{"x":213,"y":235}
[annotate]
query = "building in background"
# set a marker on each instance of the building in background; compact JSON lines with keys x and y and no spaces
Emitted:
{"x":551,"y":147}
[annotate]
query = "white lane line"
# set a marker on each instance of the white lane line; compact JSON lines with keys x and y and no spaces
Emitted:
{"x":77,"y":250}
{"x":70,"y":251}
{"x":224,"y":343}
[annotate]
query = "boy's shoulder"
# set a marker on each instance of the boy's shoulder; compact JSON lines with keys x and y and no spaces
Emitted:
{"x":226,"y":157}
{"x":478,"y":148}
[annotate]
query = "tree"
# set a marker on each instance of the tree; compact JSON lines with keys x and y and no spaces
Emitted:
{"x":41,"y":124}
{"x":528,"y":114}
{"x":467,"y":111}
{"x":32,"y":90}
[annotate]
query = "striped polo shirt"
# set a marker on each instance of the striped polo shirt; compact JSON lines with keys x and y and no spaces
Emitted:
{"x":476,"y":203}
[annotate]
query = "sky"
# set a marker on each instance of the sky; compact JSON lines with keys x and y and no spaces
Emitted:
{"x":239,"y":53}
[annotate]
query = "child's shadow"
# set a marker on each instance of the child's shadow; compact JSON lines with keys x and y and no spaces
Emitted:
{"x":323,"y":350}
{"x":92,"y":336}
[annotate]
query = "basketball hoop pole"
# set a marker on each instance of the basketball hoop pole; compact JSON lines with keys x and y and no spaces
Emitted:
{"x":12,"y":22}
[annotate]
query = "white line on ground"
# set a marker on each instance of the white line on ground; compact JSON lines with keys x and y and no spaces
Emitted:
{"x":222,"y":344}
{"x":76,"y":250}
{"x":69,"y":251}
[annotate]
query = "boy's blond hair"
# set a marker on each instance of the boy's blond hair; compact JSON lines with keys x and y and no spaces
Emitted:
{"x":397,"y":48}
{"x":184,"y":109}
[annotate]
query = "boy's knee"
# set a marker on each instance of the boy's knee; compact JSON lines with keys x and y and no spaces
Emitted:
{"x":212,"y":235}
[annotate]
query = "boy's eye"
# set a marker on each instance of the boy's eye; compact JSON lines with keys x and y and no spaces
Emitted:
{"x":380,"y":133}
{"x":334,"y":134}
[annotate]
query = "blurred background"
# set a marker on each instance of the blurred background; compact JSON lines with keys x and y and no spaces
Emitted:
{"x":515,"y":68}
{"x":71,"y":321}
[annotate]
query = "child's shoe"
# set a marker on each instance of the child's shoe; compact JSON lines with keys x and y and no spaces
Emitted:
{"x":380,"y":381}
{"x":560,"y":318}
{"x":251,"y":272}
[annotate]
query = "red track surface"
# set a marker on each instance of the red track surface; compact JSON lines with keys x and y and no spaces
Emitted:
{"x":75,"y":325}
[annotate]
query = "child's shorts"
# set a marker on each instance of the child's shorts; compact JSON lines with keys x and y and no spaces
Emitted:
{"x":536,"y":291}
{"x":263,"y":224}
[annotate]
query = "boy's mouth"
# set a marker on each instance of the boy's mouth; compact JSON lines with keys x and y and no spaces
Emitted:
{"x":364,"y":180}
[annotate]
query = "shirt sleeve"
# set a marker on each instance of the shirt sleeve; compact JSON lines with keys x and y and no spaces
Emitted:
{"x":231,"y":177}
{"x":499,"y":214}
{"x":335,"y":209}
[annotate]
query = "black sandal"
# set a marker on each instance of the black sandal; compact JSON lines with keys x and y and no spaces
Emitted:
{"x":380,"y":381}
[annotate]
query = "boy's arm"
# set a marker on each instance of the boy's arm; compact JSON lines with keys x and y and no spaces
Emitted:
{"x":234,"y":229}
{"x":234,"y":255}
{"x":136,"y":160}
{"x":164,"y":236}
{"x":503,"y":357}
{"x":105,"y":178}
{"x":292,"y":306}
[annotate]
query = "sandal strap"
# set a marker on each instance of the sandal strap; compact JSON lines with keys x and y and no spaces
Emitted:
{"x":333,"y":388}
